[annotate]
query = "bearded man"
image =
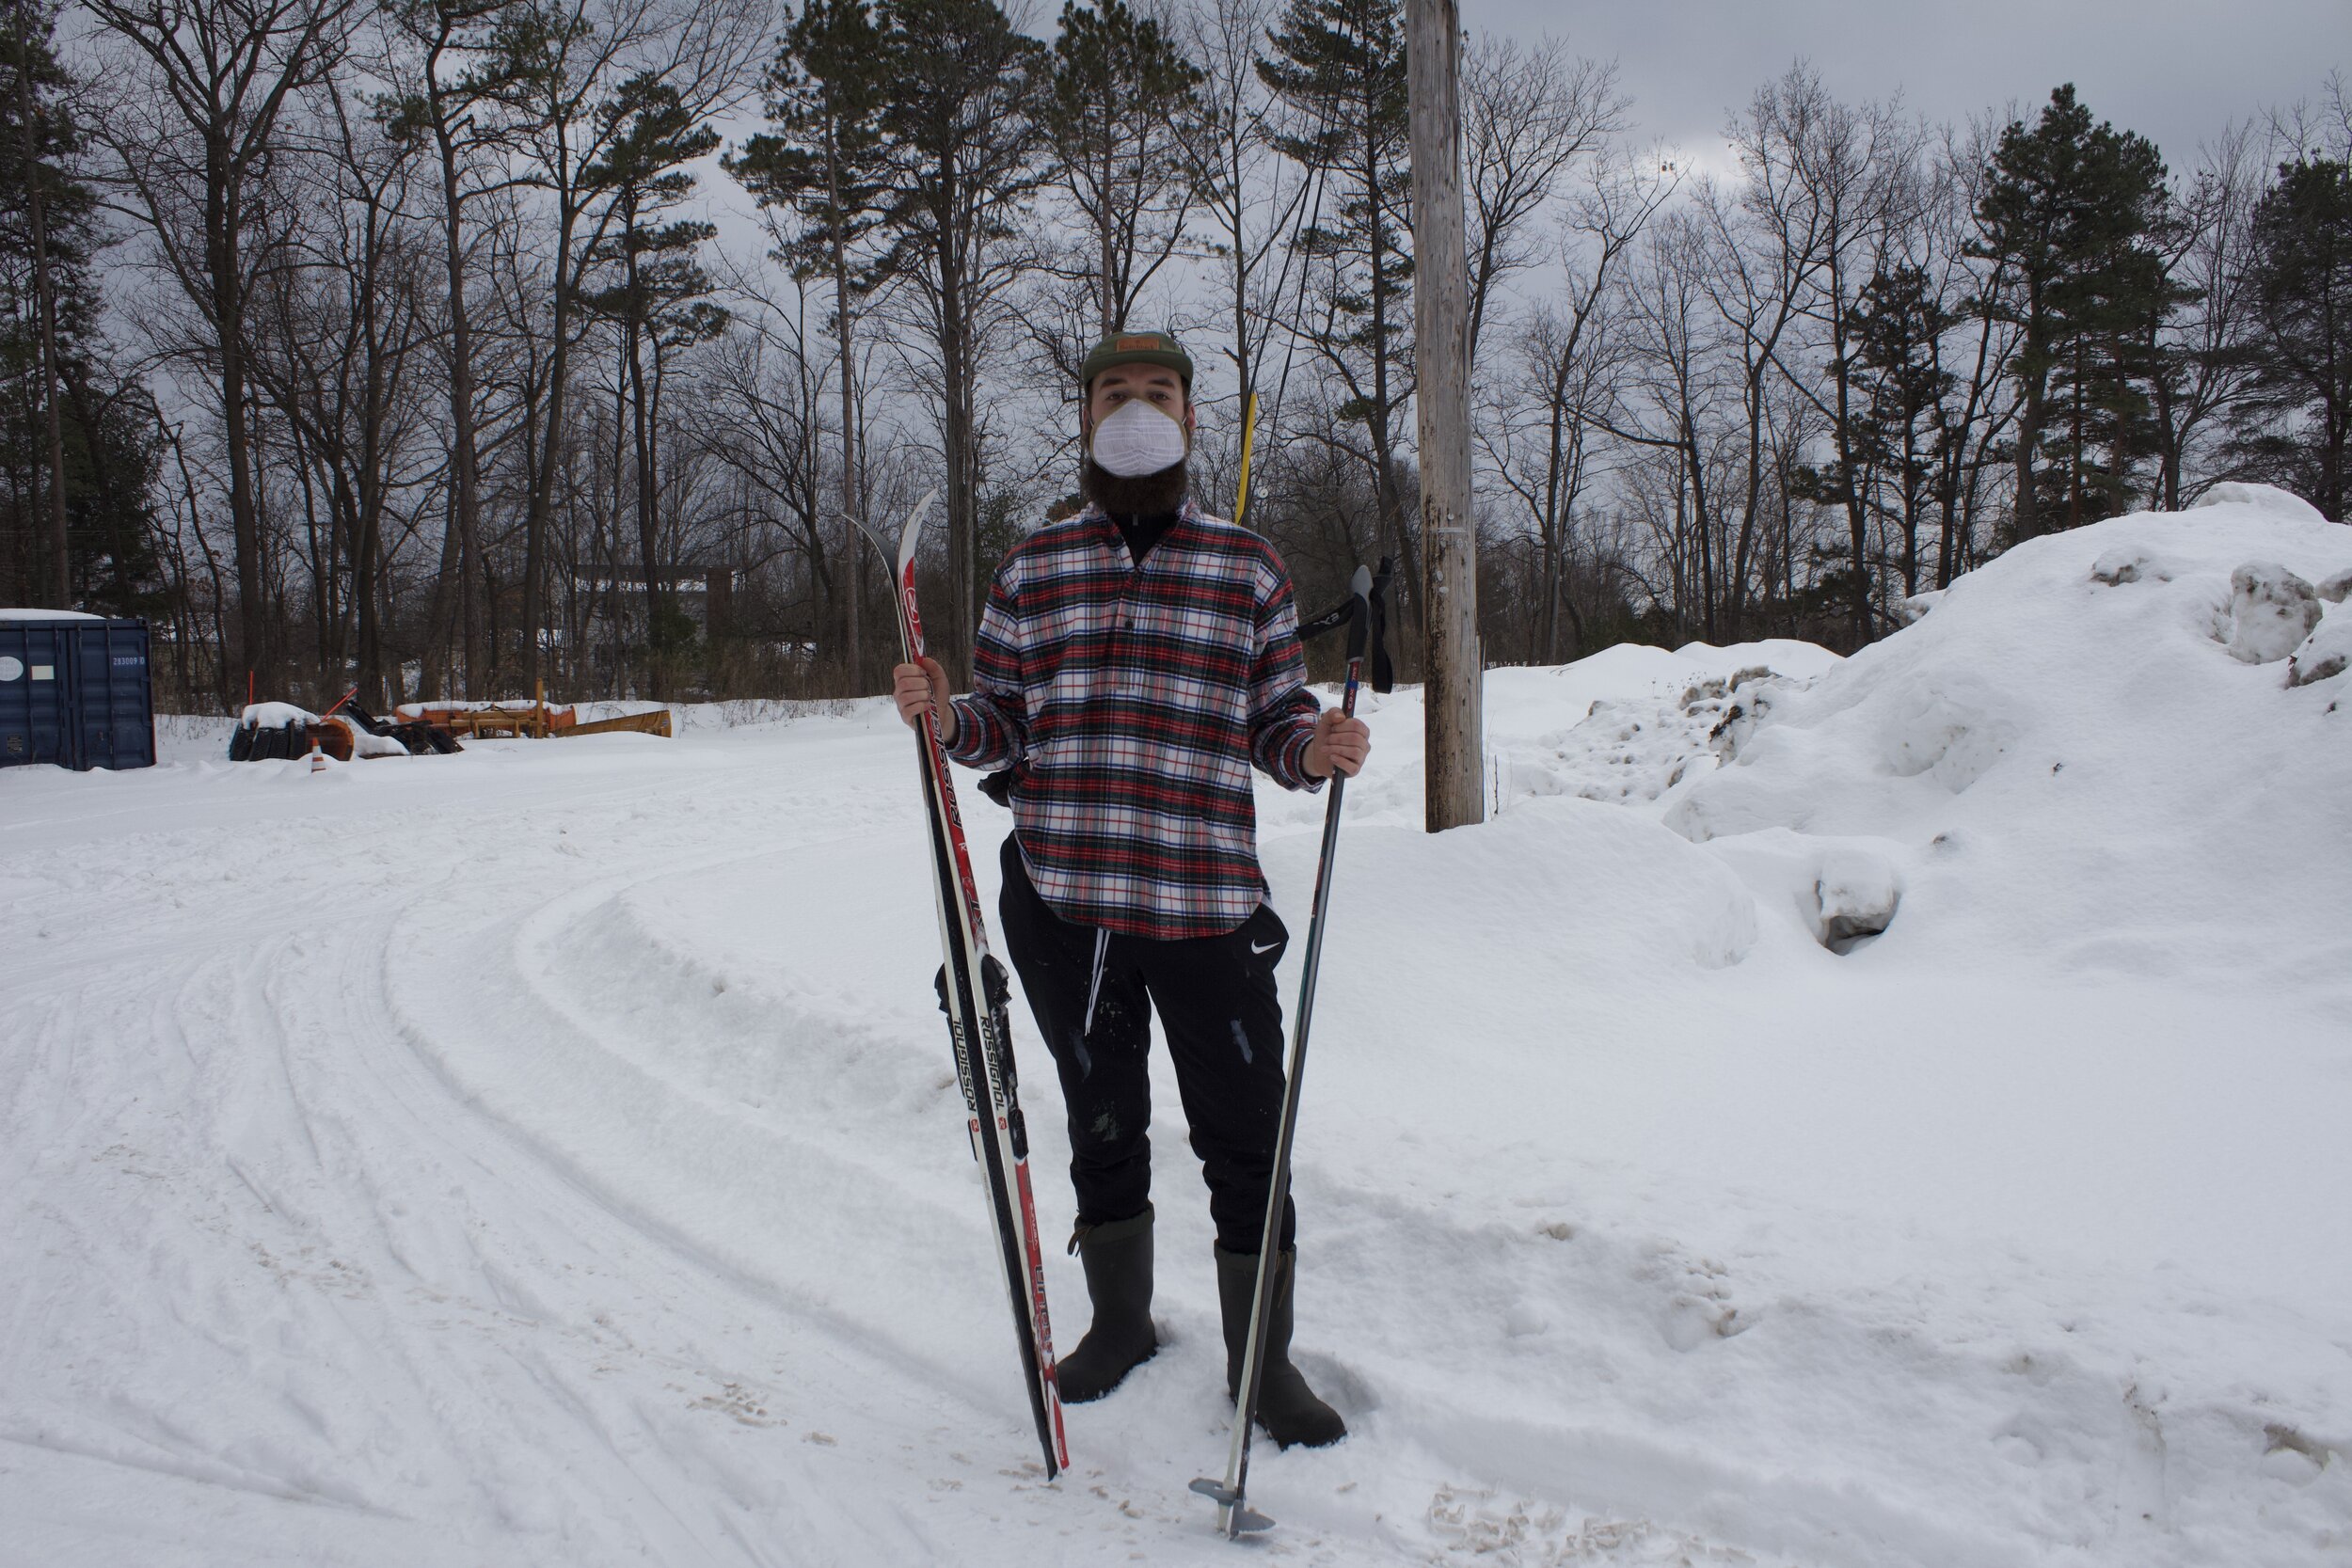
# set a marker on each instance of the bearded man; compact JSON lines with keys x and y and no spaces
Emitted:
{"x":1133,"y":663}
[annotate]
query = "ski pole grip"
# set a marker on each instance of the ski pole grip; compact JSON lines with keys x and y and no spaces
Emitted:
{"x":1358,"y":632}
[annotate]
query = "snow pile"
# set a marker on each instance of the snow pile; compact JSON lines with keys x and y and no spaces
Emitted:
{"x":2089,"y":756}
{"x":364,"y":744}
{"x":1641,"y":715}
{"x":747,"y":712}
{"x":190,"y":736}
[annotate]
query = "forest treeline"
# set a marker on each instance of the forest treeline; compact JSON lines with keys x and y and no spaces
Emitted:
{"x":388,"y":343}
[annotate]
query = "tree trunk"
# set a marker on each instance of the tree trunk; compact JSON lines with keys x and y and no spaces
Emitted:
{"x":648,"y":526}
{"x":957,"y":439}
{"x":222,"y":220}
{"x":541,"y":505}
{"x":1391,"y":496}
{"x":452,"y":593}
{"x":852,"y":504}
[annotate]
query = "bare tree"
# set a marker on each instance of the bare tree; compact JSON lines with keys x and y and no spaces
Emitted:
{"x":1528,"y":113}
{"x":445,"y":91}
{"x":560,"y":66}
{"x":336,"y":324}
{"x":2196,"y":379}
{"x":194,"y":127}
{"x":1253,"y":203}
{"x":1543,"y":446}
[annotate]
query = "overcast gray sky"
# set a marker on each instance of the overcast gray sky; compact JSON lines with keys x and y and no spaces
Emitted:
{"x":2175,"y":71}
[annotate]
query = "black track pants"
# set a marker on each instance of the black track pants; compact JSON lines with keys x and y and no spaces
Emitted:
{"x":1216,"y":1001}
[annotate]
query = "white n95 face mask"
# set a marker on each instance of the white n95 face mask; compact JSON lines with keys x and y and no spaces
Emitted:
{"x":1135,"y":439}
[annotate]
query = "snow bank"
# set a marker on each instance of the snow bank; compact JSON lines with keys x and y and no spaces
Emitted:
{"x":2089,"y":757}
{"x":1624,"y":724}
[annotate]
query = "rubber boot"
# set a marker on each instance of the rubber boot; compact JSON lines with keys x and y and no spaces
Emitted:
{"x":1118,"y":1261}
{"x":1287,"y":1408}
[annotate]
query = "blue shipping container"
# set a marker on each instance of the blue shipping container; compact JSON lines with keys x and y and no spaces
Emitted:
{"x":75,"y":693}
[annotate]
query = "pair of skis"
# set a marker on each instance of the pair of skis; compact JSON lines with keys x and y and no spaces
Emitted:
{"x":974,"y":994}
{"x":978,"y":1029}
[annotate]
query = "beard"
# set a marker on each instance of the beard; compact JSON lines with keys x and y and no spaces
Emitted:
{"x":1149,"y":495}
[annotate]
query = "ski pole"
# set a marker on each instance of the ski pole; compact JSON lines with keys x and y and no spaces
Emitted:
{"x":1234,"y":1516}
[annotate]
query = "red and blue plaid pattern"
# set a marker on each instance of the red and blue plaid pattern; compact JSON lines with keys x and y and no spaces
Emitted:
{"x":1131,"y":701}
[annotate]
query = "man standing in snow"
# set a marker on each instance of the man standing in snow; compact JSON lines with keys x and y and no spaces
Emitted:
{"x":1132,"y":662}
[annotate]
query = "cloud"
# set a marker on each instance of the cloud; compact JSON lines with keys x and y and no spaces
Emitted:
{"x":2174,"y":70}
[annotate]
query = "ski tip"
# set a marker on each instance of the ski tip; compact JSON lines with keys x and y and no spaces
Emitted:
{"x":873,"y":536}
{"x":1361,"y":585}
{"x":911,"y":535}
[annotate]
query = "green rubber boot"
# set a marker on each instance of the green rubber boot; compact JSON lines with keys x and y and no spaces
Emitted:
{"x":1118,"y":1261}
{"x":1287,"y":1408}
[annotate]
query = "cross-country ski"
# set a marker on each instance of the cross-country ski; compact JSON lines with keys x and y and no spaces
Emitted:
{"x":972,"y":995}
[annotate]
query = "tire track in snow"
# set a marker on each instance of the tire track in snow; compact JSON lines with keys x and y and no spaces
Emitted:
{"x":295,"y":1076}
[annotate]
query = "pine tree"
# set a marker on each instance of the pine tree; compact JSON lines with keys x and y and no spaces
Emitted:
{"x":963,"y":145}
{"x":1120,"y":96}
{"x":657,"y":301}
{"x":1898,"y":329}
{"x":76,"y":444}
{"x":2297,"y":428}
{"x":823,"y":163}
{"x":2068,"y":223}
{"x":1338,"y":65}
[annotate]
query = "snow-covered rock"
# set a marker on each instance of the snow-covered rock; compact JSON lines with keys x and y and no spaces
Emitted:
{"x":2337,"y":588}
{"x":2271,"y":612}
{"x":2124,"y":564}
{"x":2323,"y":655}
{"x":1644,"y":722}
{"x":1855,"y":894}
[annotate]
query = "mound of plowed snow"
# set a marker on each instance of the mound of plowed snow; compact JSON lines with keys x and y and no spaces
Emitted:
{"x":2088,"y":753}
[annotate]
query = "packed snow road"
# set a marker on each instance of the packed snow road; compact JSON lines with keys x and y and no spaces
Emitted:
{"x":551,"y":1154}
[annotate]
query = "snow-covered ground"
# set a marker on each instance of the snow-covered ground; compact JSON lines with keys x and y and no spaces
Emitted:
{"x":549,"y":1154}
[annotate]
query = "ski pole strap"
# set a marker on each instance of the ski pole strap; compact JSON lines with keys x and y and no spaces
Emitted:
{"x":1343,"y":613}
{"x":1094,"y":984}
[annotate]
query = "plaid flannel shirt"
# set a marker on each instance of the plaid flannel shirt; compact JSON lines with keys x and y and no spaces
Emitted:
{"x":1131,"y":702}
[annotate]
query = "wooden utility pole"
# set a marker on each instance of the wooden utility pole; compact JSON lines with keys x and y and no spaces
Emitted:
{"x":1451,"y":663}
